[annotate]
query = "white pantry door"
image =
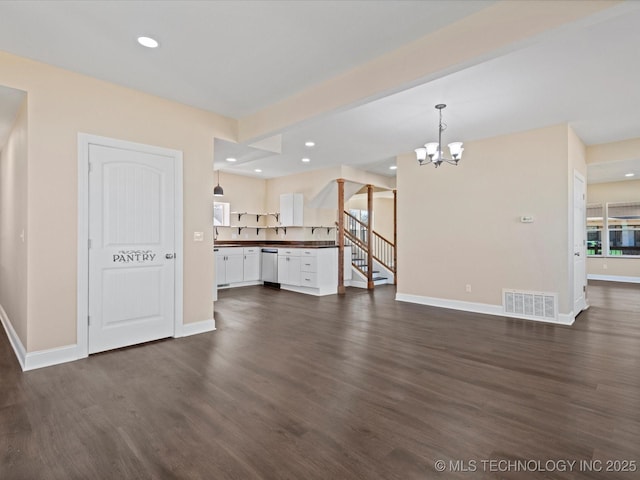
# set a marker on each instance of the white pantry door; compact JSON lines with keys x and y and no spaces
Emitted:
{"x":131,"y":247}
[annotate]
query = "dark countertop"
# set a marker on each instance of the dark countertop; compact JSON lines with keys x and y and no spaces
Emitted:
{"x":275,"y":244}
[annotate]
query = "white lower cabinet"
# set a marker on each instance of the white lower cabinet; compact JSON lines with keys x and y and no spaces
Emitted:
{"x":313,"y":271}
{"x":229,"y":266}
{"x":308,"y":270}
{"x":289,"y":266}
{"x":237,"y":266}
{"x":251,"y":264}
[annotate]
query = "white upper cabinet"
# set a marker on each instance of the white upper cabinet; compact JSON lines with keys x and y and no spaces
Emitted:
{"x":291,"y":210}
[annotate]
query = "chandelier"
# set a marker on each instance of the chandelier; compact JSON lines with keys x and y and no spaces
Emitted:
{"x":433,"y":150}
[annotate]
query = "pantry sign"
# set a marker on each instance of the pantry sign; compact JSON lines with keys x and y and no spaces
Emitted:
{"x":133,"y":256}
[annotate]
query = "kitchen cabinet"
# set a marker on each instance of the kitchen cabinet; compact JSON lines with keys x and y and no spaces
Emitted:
{"x":251,"y":265}
{"x":229,"y":266}
{"x":292,"y":210}
{"x":289,"y":266}
{"x":308,"y":270}
{"x":313,"y":271}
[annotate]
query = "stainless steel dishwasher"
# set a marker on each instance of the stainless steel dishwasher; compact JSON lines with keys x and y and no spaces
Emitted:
{"x":270,"y":267}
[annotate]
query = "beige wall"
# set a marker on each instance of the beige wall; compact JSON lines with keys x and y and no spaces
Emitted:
{"x":614,"y":266}
{"x":614,"y":151}
{"x":243,"y":194}
{"x":382,"y":212}
{"x":626,"y":191}
{"x":460,"y":225}
{"x":383,"y":208}
{"x":364,"y":177}
{"x":309,"y":184}
{"x":13,"y":225}
{"x":62,"y":104}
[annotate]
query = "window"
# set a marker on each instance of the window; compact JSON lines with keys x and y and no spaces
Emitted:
{"x":595,"y":225}
{"x":220,"y":214}
{"x":623,"y":225}
{"x":356,"y":229}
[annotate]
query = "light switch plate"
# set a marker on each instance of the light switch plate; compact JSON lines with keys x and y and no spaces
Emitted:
{"x":198,"y":236}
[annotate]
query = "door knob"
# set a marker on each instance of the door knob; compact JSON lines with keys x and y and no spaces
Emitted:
{"x":169,"y":256}
{"x":577,"y":254}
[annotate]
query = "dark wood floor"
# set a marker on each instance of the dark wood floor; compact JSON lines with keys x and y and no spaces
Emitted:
{"x":354,"y":387}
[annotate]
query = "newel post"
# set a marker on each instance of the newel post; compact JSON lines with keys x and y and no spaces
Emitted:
{"x":341,"y":289}
{"x":395,"y":236}
{"x":370,"y":237}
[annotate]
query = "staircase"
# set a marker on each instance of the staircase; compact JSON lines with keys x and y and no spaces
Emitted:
{"x":362,"y":268}
{"x":372,"y":256}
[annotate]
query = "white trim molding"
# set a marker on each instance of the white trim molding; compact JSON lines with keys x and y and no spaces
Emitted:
{"x":52,"y":356}
{"x":41,"y":358}
{"x":14,"y":340}
{"x":613,"y":278}
{"x":484,"y":308}
{"x":195,"y":328}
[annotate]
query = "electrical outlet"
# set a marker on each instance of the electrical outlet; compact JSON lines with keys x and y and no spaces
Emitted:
{"x":468,"y":288}
{"x":604,"y":266}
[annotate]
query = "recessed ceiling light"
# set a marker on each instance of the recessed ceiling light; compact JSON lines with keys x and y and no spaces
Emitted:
{"x":393,"y":167}
{"x":629,"y":174}
{"x":148,"y":42}
{"x":306,"y":160}
{"x":231,"y":159}
{"x":309,"y":144}
{"x":257,"y":170}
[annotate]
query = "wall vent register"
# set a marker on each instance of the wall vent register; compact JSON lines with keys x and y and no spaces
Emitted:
{"x":534,"y":305}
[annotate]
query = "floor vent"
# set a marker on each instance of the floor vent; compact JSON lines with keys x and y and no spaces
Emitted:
{"x":534,"y":305}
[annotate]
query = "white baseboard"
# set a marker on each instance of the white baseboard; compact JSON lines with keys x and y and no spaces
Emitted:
{"x":316,"y":292}
{"x":69,"y":353}
{"x":41,"y":358}
{"x":195,"y":328}
{"x":486,"y":309}
{"x":14,"y":340}
{"x":239,"y":284}
{"x":566,"y":318}
{"x":613,"y":278}
{"x":356,"y":284}
{"x":49,"y":357}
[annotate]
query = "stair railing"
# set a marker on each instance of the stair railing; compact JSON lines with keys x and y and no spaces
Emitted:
{"x":382,"y":250}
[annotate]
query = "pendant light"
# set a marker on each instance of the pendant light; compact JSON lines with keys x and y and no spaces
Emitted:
{"x":217,"y":191}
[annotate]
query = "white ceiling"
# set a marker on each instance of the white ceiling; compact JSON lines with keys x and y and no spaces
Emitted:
{"x":237,"y":57}
{"x":230,"y":57}
{"x":614,"y":171}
